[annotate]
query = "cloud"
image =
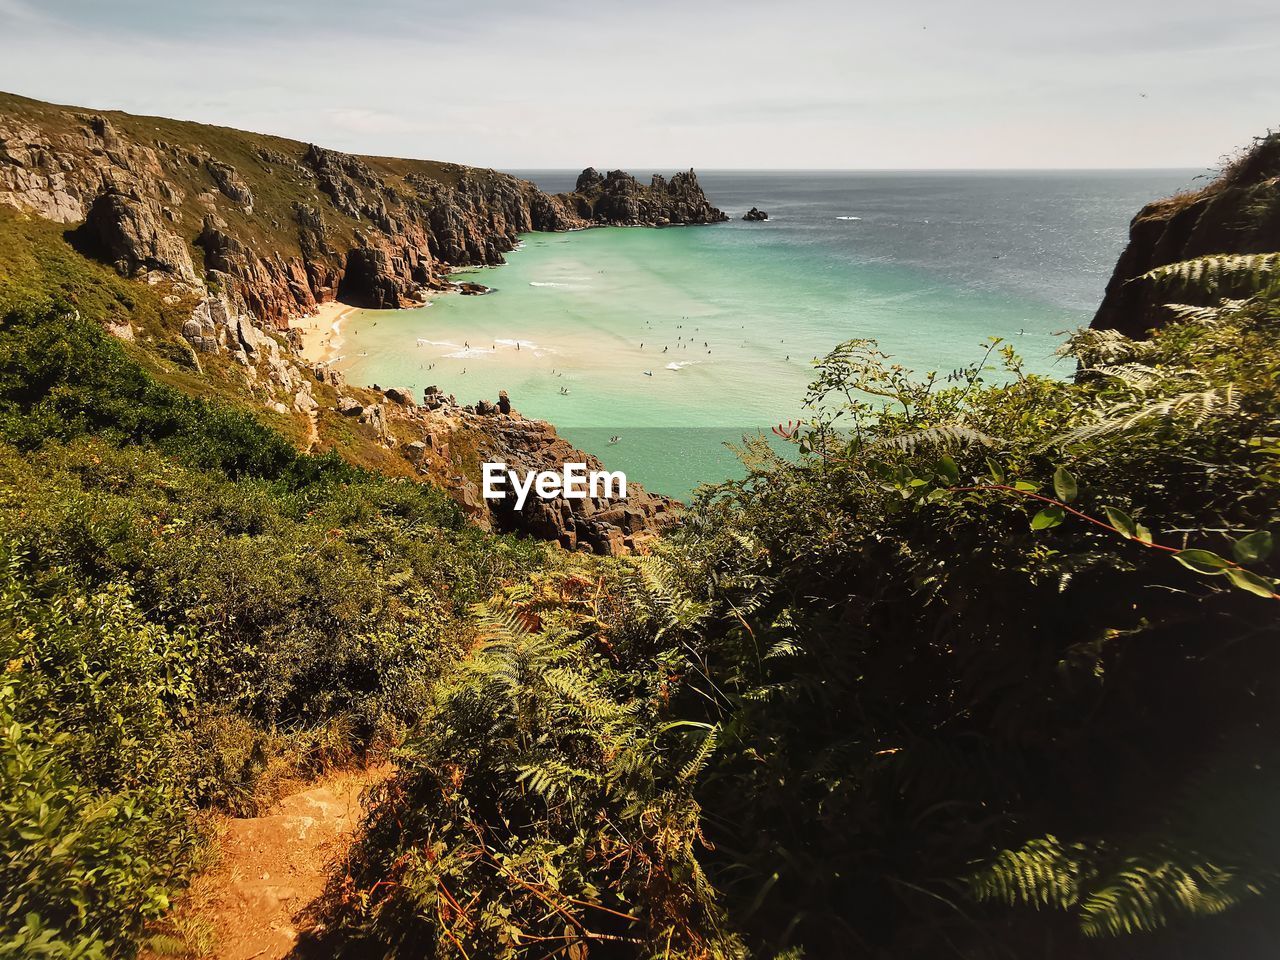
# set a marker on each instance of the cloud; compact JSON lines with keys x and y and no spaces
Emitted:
{"x":549,"y":83}
{"x":361,"y":120}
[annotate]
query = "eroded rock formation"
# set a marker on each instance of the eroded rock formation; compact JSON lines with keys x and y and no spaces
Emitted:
{"x":285,"y":225}
{"x":452,"y":441}
{"x":1239,"y":213}
{"x":619,"y":199}
{"x":255,"y":231}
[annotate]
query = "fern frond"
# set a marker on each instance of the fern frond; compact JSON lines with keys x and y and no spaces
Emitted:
{"x":1198,"y":405}
{"x":698,"y":761}
{"x":1097,"y":347}
{"x":1207,"y":316}
{"x":1253,"y":270}
{"x":550,"y":779}
{"x":1042,"y":873}
{"x":943,"y":435}
{"x":1146,"y":896}
{"x":580,"y":691}
{"x":1136,"y":375}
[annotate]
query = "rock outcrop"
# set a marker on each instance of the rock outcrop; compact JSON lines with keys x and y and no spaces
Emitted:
{"x":755,"y":215}
{"x":454,"y":440}
{"x":1239,"y":213}
{"x":253,"y":231}
{"x":619,"y":199}
{"x":284,"y":226}
{"x":128,"y":229}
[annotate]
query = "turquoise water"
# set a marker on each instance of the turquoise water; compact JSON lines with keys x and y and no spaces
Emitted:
{"x":680,"y":339}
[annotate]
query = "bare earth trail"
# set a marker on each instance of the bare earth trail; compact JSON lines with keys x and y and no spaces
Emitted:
{"x":271,"y":867}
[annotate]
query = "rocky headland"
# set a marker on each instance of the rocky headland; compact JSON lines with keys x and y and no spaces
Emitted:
{"x":1238,"y":213}
{"x":254,"y":231}
{"x":619,"y":199}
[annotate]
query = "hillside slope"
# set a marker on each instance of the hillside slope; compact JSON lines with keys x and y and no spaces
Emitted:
{"x":284,"y":225}
{"x":226,"y":236}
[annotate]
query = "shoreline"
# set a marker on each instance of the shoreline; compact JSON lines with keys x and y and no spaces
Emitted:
{"x":321,"y":332}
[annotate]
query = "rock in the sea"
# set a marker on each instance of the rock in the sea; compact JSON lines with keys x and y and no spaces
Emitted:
{"x":755,"y":214}
{"x":619,"y":199}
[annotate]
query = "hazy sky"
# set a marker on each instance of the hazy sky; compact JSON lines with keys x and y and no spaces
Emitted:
{"x":671,"y":83}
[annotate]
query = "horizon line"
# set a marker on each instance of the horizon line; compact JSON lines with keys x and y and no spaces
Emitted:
{"x":713,"y":169}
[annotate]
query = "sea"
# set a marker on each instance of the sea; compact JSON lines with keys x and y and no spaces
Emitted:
{"x":658,"y":350}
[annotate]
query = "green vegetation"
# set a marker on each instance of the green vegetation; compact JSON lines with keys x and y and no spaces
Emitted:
{"x":990,"y":670}
{"x":191,"y":613}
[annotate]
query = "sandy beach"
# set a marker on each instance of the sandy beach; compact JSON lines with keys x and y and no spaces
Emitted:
{"x":322,"y":339}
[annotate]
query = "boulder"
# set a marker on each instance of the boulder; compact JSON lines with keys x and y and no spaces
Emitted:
{"x":230,"y":183}
{"x":400,"y":395}
{"x":130,"y":233}
{"x":755,"y":214}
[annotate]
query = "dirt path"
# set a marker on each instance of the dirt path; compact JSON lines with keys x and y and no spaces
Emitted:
{"x":271,"y":867}
{"x":313,"y":430}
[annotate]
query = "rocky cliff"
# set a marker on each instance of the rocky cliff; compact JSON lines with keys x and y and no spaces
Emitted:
{"x":248,"y":231}
{"x":1238,"y":213}
{"x":281,"y":225}
{"x":452,"y":440}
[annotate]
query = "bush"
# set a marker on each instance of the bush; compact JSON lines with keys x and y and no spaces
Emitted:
{"x":192,"y":612}
{"x":945,"y":688}
{"x":94,"y":837}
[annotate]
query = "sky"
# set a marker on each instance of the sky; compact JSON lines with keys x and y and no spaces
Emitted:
{"x":801,"y":84}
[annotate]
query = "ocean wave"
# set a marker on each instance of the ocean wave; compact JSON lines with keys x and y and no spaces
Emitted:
{"x":848,"y":218}
{"x":680,"y":364}
{"x":523,"y":345}
{"x":469,"y":353}
{"x":546,"y":283}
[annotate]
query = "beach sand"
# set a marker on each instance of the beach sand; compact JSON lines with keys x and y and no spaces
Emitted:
{"x":322,"y":339}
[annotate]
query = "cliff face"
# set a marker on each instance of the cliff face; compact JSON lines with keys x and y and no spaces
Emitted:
{"x":455,"y":440}
{"x":281,"y":226}
{"x":1239,"y":213}
{"x":255,"y":230}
